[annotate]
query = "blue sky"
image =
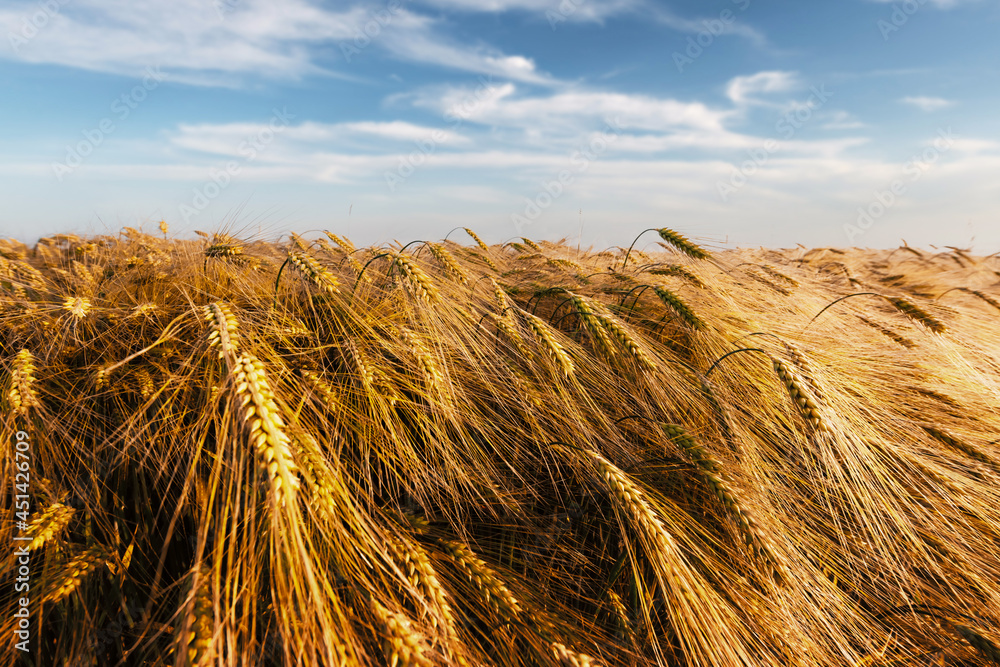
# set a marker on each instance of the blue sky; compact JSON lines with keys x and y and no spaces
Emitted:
{"x":752,"y":122}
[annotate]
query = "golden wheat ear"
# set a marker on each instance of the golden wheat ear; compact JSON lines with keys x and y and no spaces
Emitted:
{"x":315,"y":272}
{"x":22,"y":395}
{"x":548,"y":341}
{"x":266,"y":429}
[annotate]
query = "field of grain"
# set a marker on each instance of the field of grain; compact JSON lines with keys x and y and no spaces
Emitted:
{"x":449,"y":453}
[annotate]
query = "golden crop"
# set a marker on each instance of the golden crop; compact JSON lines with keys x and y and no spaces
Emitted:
{"x":308,"y":453}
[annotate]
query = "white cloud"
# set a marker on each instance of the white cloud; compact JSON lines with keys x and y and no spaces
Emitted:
{"x":189,"y":38}
{"x":425,"y":45}
{"x":401,"y":131}
{"x":558,"y":11}
{"x":927,"y":103}
{"x":571,"y":112}
{"x":309,"y":137}
{"x":196,"y":42}
{"x":743,"y":90}
{"x":842,"y":120}
{"x":711,"y":25}
{"x":572,"y":10}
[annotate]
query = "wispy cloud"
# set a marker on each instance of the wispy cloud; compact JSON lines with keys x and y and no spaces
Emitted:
{"x":196,"y":43}
{"x":188,"y":38}
{"x":310,"y":137}
{"x":582,"y":10}
{"x":927,"y":103}
{"x":842,"y":120}
{"x":599,"y":11}
{"x":745,"y":90}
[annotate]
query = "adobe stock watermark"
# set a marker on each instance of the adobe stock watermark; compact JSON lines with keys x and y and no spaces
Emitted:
{"x":122,"y":108}
{"x":553,"y":189}
{"x":714,"y":28}
{"x":562,"y":13}
{"x":455,"y":116}
{"x":913,"y":170}
{"x":901,"y":13}
{"x":786,"y":127}
{"x":363,"y":35}
{"x":220,"y":179}
{"x":35,"y":23}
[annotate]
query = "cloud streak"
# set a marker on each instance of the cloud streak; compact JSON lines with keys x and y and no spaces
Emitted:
{"x":927,"y":103}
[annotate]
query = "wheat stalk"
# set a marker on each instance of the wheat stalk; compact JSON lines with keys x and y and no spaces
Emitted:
{"x":324,"y":390}
{"x":343,"y":243}
{"x":680,"y":272}
{"x":489,"y":584}
{"x":421,"y":283}
{"x":499,"y":296}
{"x":22,"y":394}
{"x":475,"y":237}
{"x":588,"y":311}
{"x":428,"y":366}
{"x":75,"y":572}
{"x":621,"y":615}
{"x":101,"y":378}
{"x":633,"y":501}
{"x":986,"y":297}
{"x":627,"y":340}
{"x":889,"y":333}
{"x":976,"y":293}
{"x":770,"y":283}
{"x":796,"y":388}
{"x":145,"y":383}
{"x":28,"y":274}
{"x":449,"y":262}
{"x":918,"y":314}
{"x":957,"y":444}
{"x":548,"y":341}
{"x":200,"y":619}
{"x":710,"y":470}
{"x":403,"y":646}
{"x":806,"y":369}
{"x":489,"y":262}
{"x":570,"y":658}
{"x":563,"y":263}
{"x":45,"y":527}
{"x":143,"y":309}
{"x":503,"y":325}
{"x":417,"y":567}
{"x":81,"y":271}
{"x":223,"y":329}
{"x":932,"y":474}
{"x":675,"y":303}
{"x":682,"y":244}
{"x":266,"y":428}
{"x":317,"y":274}
{"x":78,"y":307}
{"x":774,"y":273}
{"x":348,"y":250}
{"x":366,"y":374}
{"x":230,"y":251}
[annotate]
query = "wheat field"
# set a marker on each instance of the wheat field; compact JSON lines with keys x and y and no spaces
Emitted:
{"x":451,"y":453}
